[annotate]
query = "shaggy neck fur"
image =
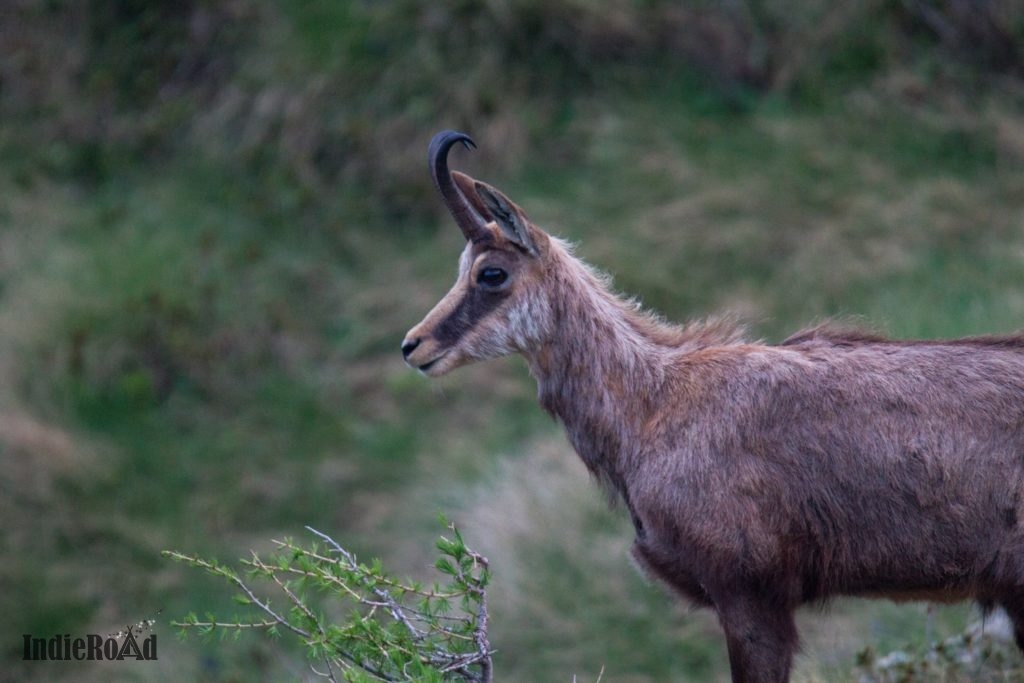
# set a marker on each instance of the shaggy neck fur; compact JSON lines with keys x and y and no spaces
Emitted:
{"x":606,"y":367}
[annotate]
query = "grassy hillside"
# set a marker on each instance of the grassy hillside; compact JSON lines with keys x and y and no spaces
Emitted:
{"x":217,"y":225}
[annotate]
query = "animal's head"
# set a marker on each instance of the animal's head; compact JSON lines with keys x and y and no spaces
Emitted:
{"x":498,"y":304}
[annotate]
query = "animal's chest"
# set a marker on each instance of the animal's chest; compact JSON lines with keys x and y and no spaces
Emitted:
{"x":601,"y":448}
{"x":596,"y":442}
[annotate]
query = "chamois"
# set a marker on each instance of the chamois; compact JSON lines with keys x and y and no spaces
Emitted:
{"x":758,"y":477}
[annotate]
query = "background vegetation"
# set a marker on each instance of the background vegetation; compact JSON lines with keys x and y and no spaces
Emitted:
{"x":216,"y":225}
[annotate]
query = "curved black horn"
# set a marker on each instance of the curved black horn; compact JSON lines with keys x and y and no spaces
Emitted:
{"x":468,"y":220}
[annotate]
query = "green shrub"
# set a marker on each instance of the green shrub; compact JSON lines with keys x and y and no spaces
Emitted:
{"x":978,"y":655}
{"x":389,"y":630}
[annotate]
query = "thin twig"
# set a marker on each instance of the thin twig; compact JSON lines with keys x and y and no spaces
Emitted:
{"x":230,"y":576}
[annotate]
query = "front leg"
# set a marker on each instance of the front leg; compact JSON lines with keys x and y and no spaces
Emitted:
{"x":761,"y":637}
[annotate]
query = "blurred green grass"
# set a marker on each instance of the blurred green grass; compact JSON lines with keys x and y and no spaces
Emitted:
{"x":209,"y":253}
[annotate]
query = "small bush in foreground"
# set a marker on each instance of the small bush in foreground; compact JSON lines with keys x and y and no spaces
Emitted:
{"x":983,"y":653}
{"x":380,"y":628}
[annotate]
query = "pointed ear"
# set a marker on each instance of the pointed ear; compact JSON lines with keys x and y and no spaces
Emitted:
{"x":467,"y":186}
{"x":510,"y":218}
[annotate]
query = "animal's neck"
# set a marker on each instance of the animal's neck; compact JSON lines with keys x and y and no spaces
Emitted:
{"x":601,"y":372}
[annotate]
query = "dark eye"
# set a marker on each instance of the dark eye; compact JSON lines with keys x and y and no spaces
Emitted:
{"x":492,"y":277}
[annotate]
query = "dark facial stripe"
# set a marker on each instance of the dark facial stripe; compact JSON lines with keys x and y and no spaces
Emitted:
{"x":475,"y":306}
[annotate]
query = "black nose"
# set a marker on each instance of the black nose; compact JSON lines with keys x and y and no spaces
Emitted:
{"x":409,"y":345}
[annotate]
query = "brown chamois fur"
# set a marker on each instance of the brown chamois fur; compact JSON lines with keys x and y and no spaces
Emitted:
{"x":758,"y":477}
